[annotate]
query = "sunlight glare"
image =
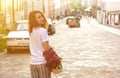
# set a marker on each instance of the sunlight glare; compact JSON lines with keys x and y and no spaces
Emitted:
{"x":57,"y":3}
{"x":7,"y":3}
{"x":110,"y":0}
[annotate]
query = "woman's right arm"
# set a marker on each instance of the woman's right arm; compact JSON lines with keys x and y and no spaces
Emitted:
{"x":46,"y":45}
{"x":45,"y":40}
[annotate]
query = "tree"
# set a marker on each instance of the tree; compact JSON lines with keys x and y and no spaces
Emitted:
{"x":76,"y":5}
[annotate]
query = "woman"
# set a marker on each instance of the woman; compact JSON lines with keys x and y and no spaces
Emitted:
{"x":38,"y":43}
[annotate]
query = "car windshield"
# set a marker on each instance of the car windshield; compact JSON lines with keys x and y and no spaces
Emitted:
{"x":22,"y":27}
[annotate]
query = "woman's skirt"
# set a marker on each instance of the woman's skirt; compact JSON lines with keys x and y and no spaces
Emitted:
{"x":40,"y":71}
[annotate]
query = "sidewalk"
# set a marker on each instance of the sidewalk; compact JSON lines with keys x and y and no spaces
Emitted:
{"x":94,"y":22}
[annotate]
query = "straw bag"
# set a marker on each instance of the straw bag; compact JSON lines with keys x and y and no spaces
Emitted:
{"x":58,"y":69}
{"x":53,"y":61}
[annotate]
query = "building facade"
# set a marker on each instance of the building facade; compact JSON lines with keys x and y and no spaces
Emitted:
{"x":110,"y":12}
{"x":13,"y":10}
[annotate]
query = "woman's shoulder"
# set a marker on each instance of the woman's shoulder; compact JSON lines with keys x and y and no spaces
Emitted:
{"x":42,"y":29}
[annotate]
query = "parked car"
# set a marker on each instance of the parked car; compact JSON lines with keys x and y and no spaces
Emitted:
{"x":51,"y":27}
{"x":19,"y":39}
{"x":73,"y":22}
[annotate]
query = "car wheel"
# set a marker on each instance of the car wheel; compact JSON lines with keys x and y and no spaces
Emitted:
{"x":9,"y":50}
{"x":51,"y":33}
{"x":78,"y":25}
{"x":54,"y":32}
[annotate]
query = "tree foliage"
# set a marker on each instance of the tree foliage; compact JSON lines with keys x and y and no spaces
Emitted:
{"x":76,"y":5}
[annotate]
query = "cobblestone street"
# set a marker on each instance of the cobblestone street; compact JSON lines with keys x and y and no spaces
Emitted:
{"x":87,"y":52}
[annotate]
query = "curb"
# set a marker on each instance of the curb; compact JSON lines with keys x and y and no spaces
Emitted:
{"x":2,"y":53}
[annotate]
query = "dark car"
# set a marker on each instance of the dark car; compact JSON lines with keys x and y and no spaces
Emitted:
{"x":73,"y":22}
{"x":51,"y":27}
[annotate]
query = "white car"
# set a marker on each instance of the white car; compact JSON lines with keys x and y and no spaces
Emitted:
{"x":18,"y":39}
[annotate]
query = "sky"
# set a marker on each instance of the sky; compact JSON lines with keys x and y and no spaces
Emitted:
{"x":57,"y":3}
{"x":110,"y":0}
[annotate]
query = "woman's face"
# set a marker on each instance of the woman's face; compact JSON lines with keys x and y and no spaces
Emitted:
{"x":39,"y":19}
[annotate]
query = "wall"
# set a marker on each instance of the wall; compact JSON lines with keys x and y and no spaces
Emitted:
{"x":111,"y":6}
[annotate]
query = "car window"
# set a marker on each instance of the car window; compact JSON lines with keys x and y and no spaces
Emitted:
{"x":22,"y":27}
